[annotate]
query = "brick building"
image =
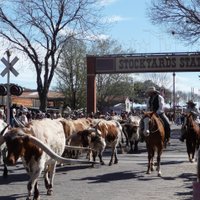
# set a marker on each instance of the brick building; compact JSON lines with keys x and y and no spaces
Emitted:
{"x":30,"y":99}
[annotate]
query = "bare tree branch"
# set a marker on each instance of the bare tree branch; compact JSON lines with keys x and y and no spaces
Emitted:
{"x":41,"y":28}
{"x":181,"y":18}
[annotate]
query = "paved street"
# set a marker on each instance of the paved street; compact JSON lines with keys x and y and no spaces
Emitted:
{"x":127,"y":180}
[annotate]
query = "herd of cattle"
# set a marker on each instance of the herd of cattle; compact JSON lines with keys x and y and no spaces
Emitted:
{"x":42,"y":144}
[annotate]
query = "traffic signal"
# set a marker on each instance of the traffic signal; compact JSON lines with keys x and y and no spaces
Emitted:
{"x":16,"y":90}
{"x":3,"y":90}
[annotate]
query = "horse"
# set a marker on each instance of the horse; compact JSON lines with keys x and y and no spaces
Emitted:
{"x":192,"y":133}
{"x":154,"y":136}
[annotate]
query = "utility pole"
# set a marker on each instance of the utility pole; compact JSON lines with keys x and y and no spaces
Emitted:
{"x":8,"y":53}
{"x":174,"y":95}
{"x":9,"y":68}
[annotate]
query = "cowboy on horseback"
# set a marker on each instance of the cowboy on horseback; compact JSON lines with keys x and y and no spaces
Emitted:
{"x":156,"y":104}
{"x":191,"y":108}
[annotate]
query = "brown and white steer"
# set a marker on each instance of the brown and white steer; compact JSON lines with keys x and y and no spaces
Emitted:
{"x":110,"y":132}
{"x":71,"y":128}
{"x":40,"y":147}
{"x":93,"y":139}
{"x":131,"y":132}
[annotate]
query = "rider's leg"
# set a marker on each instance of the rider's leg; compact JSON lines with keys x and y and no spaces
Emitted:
{"x":141,"y":129}
{"x":166,"y":126}
{"x":183,"y":131}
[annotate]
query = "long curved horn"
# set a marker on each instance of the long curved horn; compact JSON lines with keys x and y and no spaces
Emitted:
{"x":55,"y":156}
{"x":3,"y":131}
{"x":95,"y":130}
{"x":2,"y":140}
{"x":77,"y":147}
{"x":20,"y":124}
{"x":69,"y":137}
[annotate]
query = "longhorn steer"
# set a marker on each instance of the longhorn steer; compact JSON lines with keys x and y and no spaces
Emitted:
{"x":93,"y":139}
{"x":71,"y":128}
{"x":111,"y":132}
{"x":39,"y":146}
{"x":131,"y":132}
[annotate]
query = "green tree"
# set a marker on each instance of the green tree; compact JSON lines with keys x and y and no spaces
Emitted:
{"x":71,"y":73}
{"x":40,"y":28}
{"x":111,"y":87}
{"x":140,"y":89}
{"x":160,"y":79}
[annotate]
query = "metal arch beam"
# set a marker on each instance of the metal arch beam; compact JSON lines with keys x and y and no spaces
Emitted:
{"x":137,"y":63}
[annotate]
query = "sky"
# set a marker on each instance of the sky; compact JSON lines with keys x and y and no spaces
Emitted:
{"x":132,"y":29}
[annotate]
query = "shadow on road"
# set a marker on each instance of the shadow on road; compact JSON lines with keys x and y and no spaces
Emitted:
{"x":14,"y":178}
{"x":110,"y":177}
{"x":13,"y":197}
{"x":66,"y":168}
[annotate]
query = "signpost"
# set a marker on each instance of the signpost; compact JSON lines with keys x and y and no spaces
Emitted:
{"x":9,"y":68}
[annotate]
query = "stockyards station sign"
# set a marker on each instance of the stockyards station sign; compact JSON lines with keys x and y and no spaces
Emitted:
{"x":166,"y":62}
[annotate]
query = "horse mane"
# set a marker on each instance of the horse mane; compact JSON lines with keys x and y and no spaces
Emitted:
{"x":157,"y":120}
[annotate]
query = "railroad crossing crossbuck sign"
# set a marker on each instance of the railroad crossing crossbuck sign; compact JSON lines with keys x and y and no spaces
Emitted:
{"x":9,"y":66}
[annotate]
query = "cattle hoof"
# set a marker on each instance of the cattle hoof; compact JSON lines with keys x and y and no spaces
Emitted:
{"x":5,"y":175}
{"x":148,"y":172}
{"x":102,"y":163}
{"x":49,"y":192}
{"x":190,"y":160}
{"x":116,"y":162}
{"x":92,"y":165}
{"x":135,"y":150}
{"x":159,"y":174}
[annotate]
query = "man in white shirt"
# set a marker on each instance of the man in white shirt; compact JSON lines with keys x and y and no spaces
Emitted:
{"x":156,"y":104}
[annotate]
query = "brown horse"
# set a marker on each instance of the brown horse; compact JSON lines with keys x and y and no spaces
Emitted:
{"x":192,"y":134}
{"x":154,"y":137}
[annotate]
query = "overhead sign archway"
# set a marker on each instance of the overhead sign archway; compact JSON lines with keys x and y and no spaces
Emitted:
{"x":136,"y":63}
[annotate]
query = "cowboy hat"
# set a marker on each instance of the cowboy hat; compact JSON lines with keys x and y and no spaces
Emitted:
{"x":152,"y":89}
{"x":190,"y":102}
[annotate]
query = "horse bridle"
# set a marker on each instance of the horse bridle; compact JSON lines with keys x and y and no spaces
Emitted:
{"x":150,"y":120}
